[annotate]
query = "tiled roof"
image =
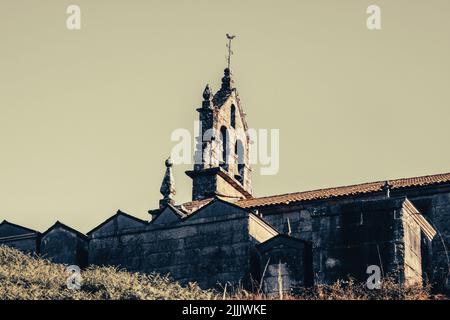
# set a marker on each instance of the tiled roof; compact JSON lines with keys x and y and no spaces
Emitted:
{"x":344,"y":191}
{"x":327,"y":193}
{"x":192,"y":206}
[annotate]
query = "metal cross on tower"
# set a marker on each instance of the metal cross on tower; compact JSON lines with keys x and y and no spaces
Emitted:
{"x":229,"y":37}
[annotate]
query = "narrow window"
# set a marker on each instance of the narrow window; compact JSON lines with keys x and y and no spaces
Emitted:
{"x":233,"y":116}
{"x":239,"y":150}
{"x":224,"y":139}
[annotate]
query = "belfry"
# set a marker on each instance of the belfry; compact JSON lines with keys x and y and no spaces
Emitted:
{"x":222,"y":151}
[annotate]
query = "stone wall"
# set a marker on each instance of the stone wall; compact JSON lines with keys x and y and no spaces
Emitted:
{"x":210,"y":247}
{"x":300,"y":221}
{"x":285,"y":265}
{"x":19,"y":237}
{"x":350,"y":237}
{"x":412,"y":251}
{"x":27,"y":244}
{"x":434,"y":204}
{"x":61,"y":245}
{"x":215,"y":244}
{"x":340,"y":230}
{"x":432,"y":201}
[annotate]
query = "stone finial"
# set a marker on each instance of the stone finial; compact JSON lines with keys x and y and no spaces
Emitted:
{"x":168,"y":186}
{"x":207,"y":97}
{"x":387,"y":188}
{"x":226,"y":89}
{"x":207,"y":94}
{"x":227,"y":80}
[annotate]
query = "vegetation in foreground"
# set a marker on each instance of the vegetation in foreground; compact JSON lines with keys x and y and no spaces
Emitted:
{"x":26,"y":277}
{"x":33,"y":278}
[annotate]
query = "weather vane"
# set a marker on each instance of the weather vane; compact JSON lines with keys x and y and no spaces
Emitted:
{"x":229,"y":37}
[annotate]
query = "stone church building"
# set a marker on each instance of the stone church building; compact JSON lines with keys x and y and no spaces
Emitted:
{"x":225,"y":235}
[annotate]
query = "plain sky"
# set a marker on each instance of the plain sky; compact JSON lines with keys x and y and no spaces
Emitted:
{"x":86,"y":116}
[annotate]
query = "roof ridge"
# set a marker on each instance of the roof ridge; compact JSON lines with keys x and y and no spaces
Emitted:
{"x":419,"y":177}
{"x":18,"y":225}
{"x":314,"y":190}
{"x":65,"y":226}
{"x":119,"y":212}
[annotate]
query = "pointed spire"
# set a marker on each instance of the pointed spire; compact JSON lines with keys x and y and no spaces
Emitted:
{"x":168,"y":186}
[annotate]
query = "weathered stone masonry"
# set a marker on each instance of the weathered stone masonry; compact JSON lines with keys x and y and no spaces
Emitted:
{"x":431,"y":198}
{"x":211,"y":246}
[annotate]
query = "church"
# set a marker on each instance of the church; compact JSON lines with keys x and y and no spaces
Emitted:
{"x":226,"y":236}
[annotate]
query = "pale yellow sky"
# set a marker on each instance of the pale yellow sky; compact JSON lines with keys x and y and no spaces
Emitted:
{"x":86,"y":116}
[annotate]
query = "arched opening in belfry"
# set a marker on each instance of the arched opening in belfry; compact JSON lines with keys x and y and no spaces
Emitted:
{"x":239,"y":151}
{"x":225,"y":147}
{"x":233,"y":116}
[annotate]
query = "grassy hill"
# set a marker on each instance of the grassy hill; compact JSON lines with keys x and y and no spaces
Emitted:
{"x":26,"y":277}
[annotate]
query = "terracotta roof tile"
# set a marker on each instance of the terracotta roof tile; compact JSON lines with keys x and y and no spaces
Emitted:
{"x":344,"y":191}
{"x":327,"y":193}
{"x":192,"y":206}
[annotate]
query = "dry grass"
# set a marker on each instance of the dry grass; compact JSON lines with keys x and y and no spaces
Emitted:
{"x":26,"y":277}
{"x":347,"y":290}
{"x":390,"y":290}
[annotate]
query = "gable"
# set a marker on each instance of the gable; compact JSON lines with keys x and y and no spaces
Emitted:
{"x":419,"y":219}
{"x":168,"y":215}
{"x":260,"y":230}
{"x":192,"y":206}
{"x":60,"y":228}
{"x":240,"y":122}
{"x":58,"y":232}
{"x":218,"y":209}
{"x":281,"y":241}
{"x":8,"y":229}
{"x":117,"y":223}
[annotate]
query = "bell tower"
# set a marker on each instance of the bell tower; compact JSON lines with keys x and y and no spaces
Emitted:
{"x":222,"y":165}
